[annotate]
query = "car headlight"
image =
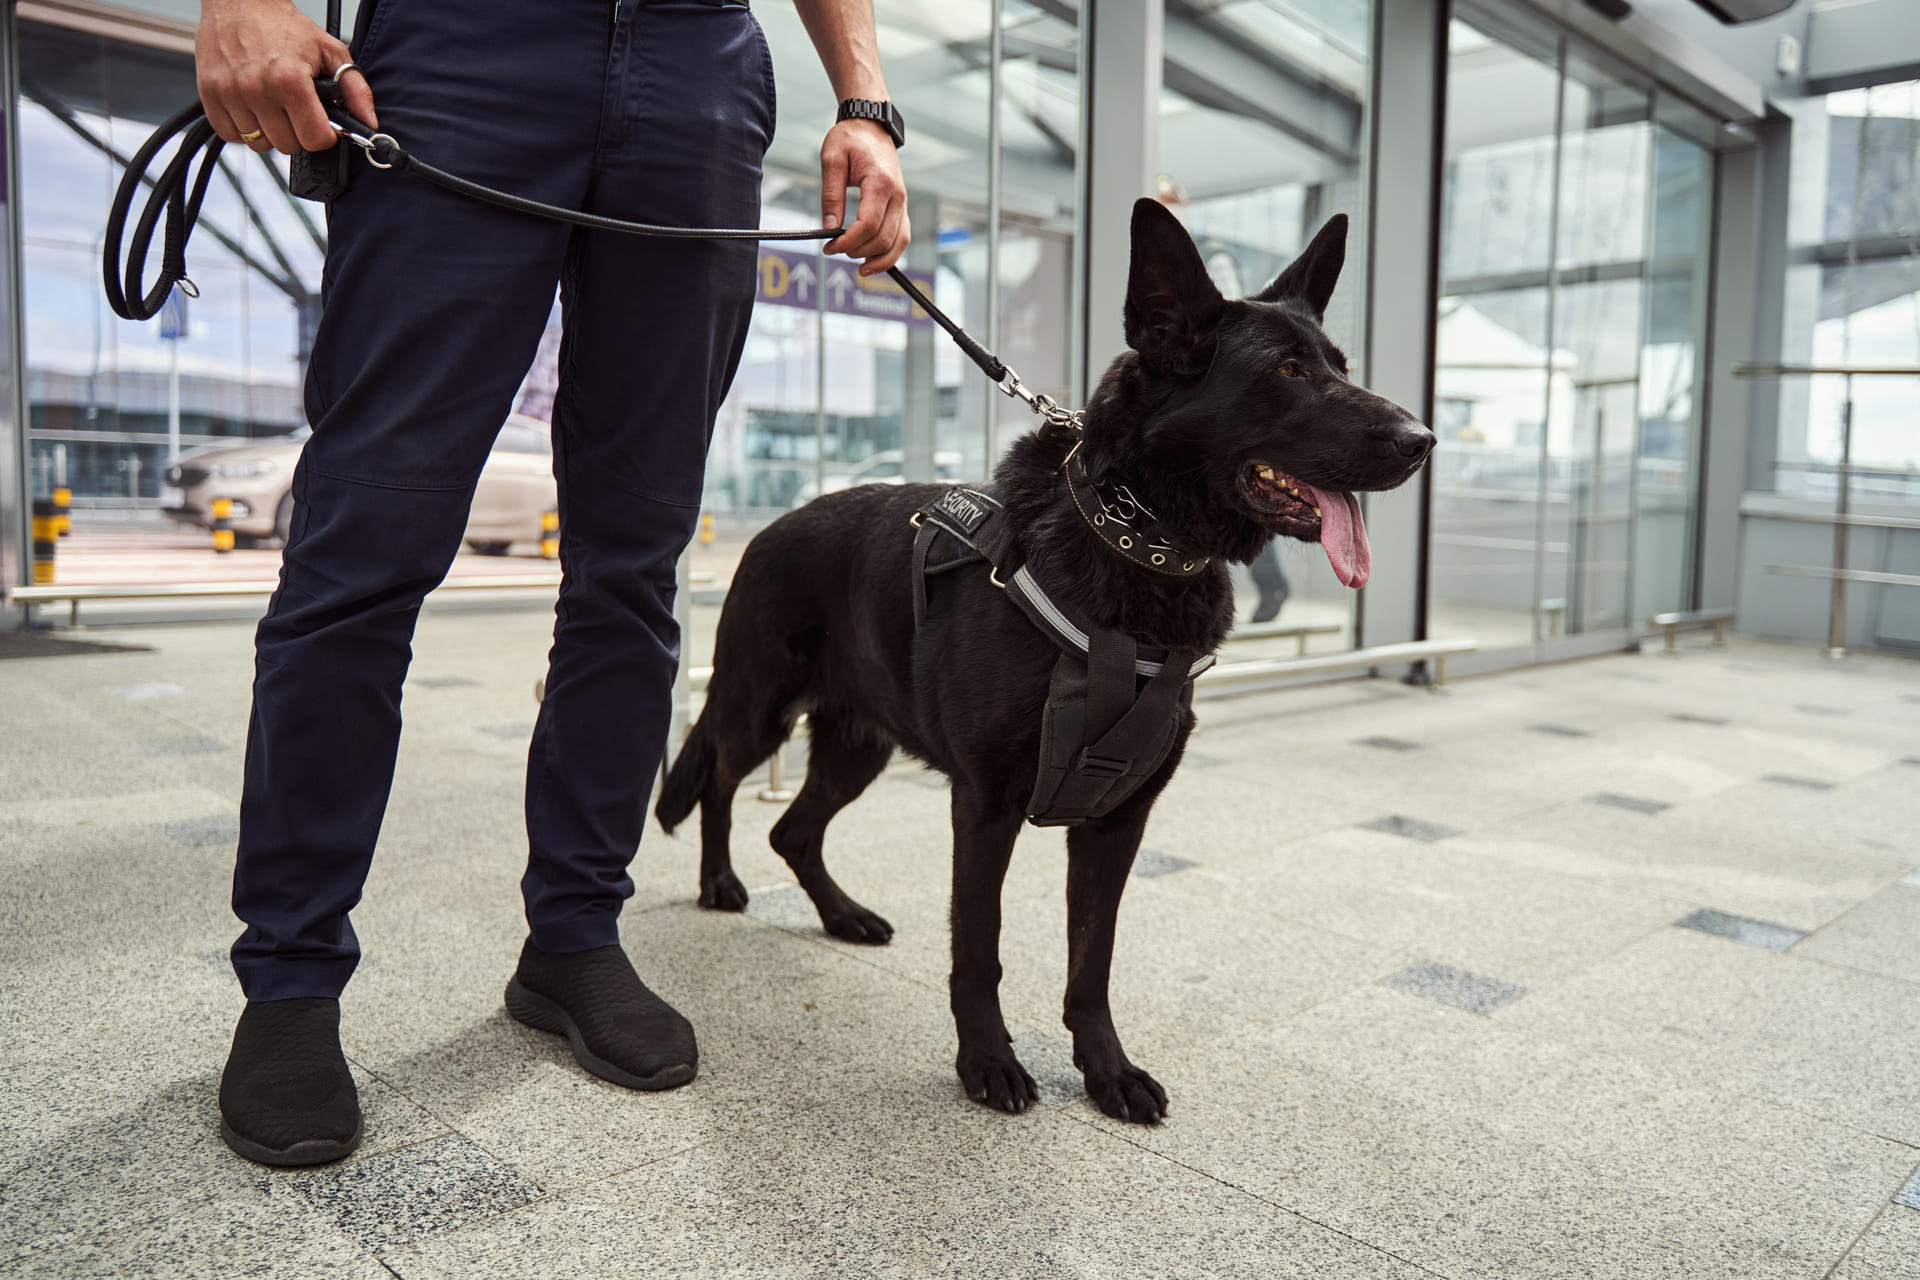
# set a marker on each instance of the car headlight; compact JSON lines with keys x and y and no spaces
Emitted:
{"x":241,"y":470}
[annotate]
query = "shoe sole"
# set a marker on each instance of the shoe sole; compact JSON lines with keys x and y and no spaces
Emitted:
{"x":542,"y":1014}
{"x":300,"y":1154}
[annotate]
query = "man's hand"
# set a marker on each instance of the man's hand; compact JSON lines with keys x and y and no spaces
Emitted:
{"x":257,"y":60}
{"x":860,"y":153}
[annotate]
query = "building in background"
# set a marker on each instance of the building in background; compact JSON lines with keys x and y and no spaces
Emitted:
{"x":1567,"y":231}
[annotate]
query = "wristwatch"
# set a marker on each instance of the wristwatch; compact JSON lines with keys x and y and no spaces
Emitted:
{"x":884,"y":114}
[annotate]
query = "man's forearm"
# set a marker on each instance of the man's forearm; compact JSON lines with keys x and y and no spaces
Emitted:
{"x":843,"y":35}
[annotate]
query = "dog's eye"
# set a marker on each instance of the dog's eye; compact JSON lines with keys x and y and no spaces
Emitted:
{"x":1289,"y":370}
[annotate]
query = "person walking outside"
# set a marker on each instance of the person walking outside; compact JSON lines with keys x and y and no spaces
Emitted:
{"x":433,"y":305}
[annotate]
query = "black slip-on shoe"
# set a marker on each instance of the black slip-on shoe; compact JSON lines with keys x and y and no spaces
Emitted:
{"x":286,"y":1097}
{"x":620,"y":1030}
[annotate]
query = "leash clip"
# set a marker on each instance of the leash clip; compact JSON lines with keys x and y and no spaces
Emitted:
{"x":1052,"y":414}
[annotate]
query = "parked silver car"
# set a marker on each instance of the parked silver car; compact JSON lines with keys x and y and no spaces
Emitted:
{"x":516,"y":487}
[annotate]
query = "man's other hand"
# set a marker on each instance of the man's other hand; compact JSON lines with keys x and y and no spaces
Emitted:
{"x":257,"y":60}
{"x":860,"y":153}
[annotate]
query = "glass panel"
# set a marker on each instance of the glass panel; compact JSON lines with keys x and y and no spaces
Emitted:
{"x":1573,"y":252}
{"x":1490,"y":383}
{"x":112,"y":403}
{"x":1665,"y":478}
{"x":1600,"y":242}
{"x":1261,"y":140}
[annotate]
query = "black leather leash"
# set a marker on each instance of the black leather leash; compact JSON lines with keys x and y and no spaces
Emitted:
{"x":179,"y":191}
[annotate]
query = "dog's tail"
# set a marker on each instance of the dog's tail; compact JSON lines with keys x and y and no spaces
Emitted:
{"x":687,"y":779}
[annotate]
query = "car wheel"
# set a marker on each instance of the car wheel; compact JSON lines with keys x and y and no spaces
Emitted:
{"x":283,"y":518}
{"x":490,"y":548}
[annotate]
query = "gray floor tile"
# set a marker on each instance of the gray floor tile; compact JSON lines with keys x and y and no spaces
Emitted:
{"x":1816,"y":1038}
{"x":1049,"y":1060}
{"x":1890,"y":1249}
{"x":1771,"y":853}
{"x":1806,"y":784}
{"x":444,"y":682}
{"x":1447,"y":985}
{"x":416,"y":1191}
{"x":1151,"y":862}
{"x":1821,"y":709}
{"x":785,"y":905}
{"x":148,"y":692}
{"x":1755,"y":933}
{"x":1411,"y":828}
{"x":1882,"y":935}
{"x":516,"y":732}
{"x":1471,"y":1150}
{"x":1632,"y":804}
{"x":221,"y":830}
{"x":907,"y":1182}
{"x":196,"y":745}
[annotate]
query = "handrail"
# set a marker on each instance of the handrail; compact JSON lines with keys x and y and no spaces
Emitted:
{"x":1842,"y":521}
{"x":1745,"y":370}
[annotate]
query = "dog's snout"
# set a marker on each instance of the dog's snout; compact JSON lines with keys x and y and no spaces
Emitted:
{"x":1413,"y":441}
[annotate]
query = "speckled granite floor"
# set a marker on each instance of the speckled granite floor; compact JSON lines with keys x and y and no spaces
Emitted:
{"x":1605,"y":970}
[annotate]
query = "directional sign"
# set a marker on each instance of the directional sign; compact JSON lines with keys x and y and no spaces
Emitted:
{"x":790,"y":279}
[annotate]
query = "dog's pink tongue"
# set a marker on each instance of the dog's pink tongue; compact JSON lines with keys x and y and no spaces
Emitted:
{"x":1344,"y":535}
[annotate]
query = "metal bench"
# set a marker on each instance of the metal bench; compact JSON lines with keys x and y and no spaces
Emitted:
{"x":73,"y":596}
{"x":1697,"y":620}
{"x":1286,"y":631}
{"x":1232,"y":677}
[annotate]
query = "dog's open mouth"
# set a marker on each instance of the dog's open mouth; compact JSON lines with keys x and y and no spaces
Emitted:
{"x":1297,"y":509}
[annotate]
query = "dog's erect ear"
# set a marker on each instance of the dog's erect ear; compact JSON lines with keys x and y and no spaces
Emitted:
{"x":1311,"y":277}
{"x":1173,"y":310}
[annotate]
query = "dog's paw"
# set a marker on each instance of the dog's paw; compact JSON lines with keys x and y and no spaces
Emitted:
{"x":1129,"y":1094}
{"x":998,"y":1081}
{"x":858,"y":924}
{"x":724,"y":893}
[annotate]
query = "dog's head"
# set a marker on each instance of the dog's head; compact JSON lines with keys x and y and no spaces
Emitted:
{"x":1252,"y":398}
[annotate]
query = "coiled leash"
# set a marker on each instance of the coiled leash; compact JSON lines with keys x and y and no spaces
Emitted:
{"x":323,"y":176}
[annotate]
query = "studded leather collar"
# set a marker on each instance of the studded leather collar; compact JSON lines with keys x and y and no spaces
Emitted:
{"x":1126,"y":524}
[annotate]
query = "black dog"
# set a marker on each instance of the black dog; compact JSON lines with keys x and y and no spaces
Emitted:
{"x":1231,"y":421}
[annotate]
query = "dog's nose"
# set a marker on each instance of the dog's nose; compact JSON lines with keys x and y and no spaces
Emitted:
{"x":1414,"y":441}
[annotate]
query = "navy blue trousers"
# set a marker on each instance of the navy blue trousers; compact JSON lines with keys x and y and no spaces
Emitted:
{"x":433,"y":307}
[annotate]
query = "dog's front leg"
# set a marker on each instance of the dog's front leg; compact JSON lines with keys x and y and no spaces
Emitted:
{"x":1099,"y":856}
{"x":983,"y":835}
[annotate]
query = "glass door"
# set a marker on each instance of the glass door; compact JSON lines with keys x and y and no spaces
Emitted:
{"x":1573,"y":268}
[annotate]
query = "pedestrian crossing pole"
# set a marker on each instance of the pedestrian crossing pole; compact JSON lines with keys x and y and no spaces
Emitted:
{"x":222,"y":527}
{"x":46,"y":536}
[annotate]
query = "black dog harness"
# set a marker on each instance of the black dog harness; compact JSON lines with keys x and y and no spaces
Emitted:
{"x":1113,"y":707}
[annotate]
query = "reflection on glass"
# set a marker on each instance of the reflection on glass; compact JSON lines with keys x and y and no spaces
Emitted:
{"x":111,"y":400}
{"x":1261,"y":141}
{"x":1573,"y":240}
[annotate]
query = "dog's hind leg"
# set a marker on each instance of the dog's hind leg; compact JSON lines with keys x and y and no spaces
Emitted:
{"x":1099,"y":857}
{"x":983,"y":835}
{"x":752,"y":734}
{"x":843,"y":757}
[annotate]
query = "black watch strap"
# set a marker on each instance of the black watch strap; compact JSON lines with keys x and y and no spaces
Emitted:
{"x":884,"y":114}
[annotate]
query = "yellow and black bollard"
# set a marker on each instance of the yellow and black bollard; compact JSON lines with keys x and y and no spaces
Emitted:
{"x":222,"y":526}
{"x":706,"y":528}
{"x":46,"y":533}
{"x":63,"y":509}
{"x":549,"y":535}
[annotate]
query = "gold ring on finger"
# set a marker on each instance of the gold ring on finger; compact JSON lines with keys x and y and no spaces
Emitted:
{"x":255,"y":136}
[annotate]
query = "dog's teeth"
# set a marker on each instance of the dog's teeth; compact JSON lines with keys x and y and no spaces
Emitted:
{"x":1316,"y":511}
